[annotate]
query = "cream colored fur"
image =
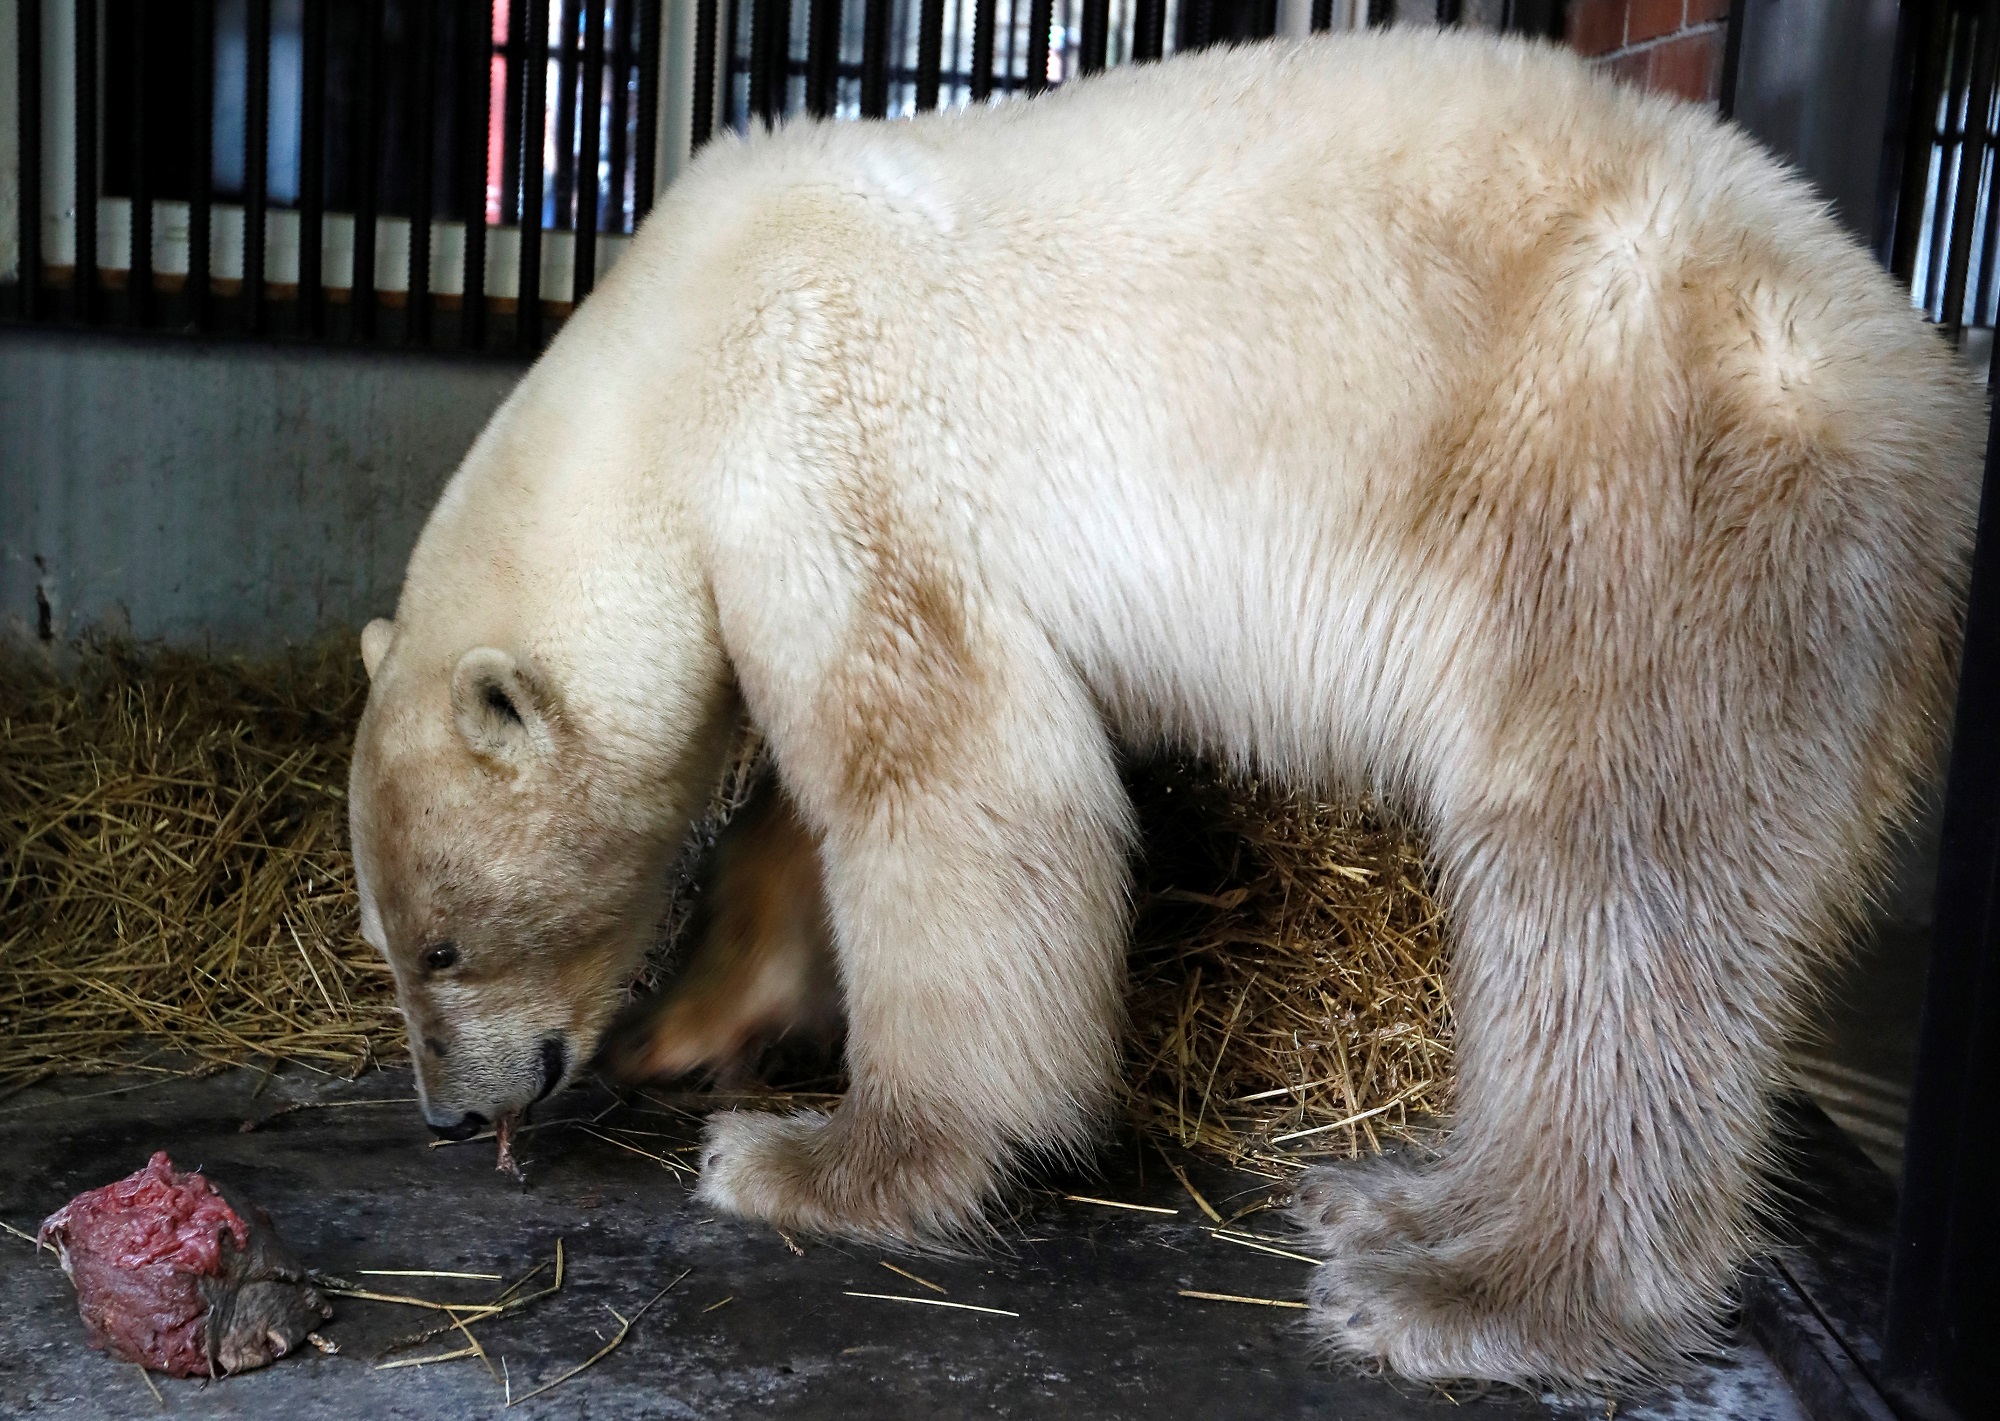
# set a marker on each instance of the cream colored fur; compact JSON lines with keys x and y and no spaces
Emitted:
{"x":1411,"y":410}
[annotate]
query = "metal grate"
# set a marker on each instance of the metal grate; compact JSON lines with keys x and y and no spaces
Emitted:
{"x":890,"y":58}
{"x":1943,"y":238}
{"x":457,"y":174}
{"x":432,"y":173}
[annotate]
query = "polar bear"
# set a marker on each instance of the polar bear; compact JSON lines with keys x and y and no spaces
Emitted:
{"x":1417,"y":411}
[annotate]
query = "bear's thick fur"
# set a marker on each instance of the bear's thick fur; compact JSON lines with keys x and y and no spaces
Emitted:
{"x":1412,"y":410}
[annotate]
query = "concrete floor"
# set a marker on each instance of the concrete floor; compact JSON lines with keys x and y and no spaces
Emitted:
{"x":751,"y":1329}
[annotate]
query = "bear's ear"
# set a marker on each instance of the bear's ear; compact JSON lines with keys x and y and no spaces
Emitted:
{"x":499,"y":708}
{"x":375,"y":639}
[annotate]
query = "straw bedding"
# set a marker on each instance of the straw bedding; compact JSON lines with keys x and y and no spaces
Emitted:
{"x":175,"y":894}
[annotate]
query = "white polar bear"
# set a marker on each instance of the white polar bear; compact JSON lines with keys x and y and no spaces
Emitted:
{"x":1413,"y":410}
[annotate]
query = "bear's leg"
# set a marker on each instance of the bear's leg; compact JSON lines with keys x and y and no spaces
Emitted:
{"x":1621,"y":990}
{"x":974,"y":855}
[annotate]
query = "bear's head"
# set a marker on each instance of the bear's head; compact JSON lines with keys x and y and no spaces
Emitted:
{"x":512,"y":854}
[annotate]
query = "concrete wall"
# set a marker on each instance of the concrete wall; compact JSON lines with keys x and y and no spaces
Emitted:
{"x":234,"y":497}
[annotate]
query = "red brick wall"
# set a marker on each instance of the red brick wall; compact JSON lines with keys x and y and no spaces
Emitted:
{"x":1674,"y":46}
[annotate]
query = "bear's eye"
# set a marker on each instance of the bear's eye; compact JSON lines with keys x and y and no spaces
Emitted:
{"x":439,"y":956}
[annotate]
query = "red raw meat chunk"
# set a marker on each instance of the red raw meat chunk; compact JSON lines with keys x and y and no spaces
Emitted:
{"x":174,"y":1275}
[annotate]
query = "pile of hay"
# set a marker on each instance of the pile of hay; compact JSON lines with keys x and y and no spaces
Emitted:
{"x":1287,"y":992}
{"x":175,"y":892}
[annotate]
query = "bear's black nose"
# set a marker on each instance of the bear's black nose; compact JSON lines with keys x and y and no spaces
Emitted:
{"x":555,"y":1061}
{"x":463,"y":1128}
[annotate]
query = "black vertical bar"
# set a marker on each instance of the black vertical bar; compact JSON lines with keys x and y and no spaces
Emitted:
{"x":1961,"y":69}
{"x":590,"y":113}
{"x":514,"y":86}
{"x":1944,"y":1307}
{"x":256,"y":160}
{"x":365,"y":159}
{"x":1447,"y":12}
{"x":1322,"y":16}
{"x":930,"y":53}
{"x":86,"y":161}
{"x":732,"y":65}
{"x":619,"y":23}
{"x":982,"y":50}
{"x":1971,"y":158}
{"x":1149,"y":29}
{"x":645,"y":162}
{"x":1095,"y":34}
{"x":534,"y":124}
{"x":1732,"y":59}
{"x":1041,"y":17}
{"x":201,"y":175}
{"x":139,"y":274}
{"x":565,"y":115}
{"x":706,"y":61}
{"x":770,"y":39}
{"x":1906,"y":157}
{"x":477,"y":17}
{"x":312,"y":168}
{"x":1982,"y":296}
{"x":1380,"y":13}
{"x":28,"y":49}
{"x":875,"y":58}
{"x":1203,"y":15}
{"x":423,"y":202}
{"x":823,"y":56}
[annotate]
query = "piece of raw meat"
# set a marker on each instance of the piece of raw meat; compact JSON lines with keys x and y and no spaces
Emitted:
{"x":175,"y":1274}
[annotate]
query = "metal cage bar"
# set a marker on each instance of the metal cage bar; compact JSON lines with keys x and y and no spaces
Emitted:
{"x":201,"y":175}
{"x":618,"y":32}
{"x":930,"y":53}
{"x":516,"y":58}
{"x":423,"y":174}
{"x":583,"y":274}
{"x":1974,"y":135}
{"x":981,"y":86}
{"x":83,"y":277}
{"x":1041,"y":18}
{"x":534,"y":126}
{"x":875,"y":59}
{"x":139,"y":273}
{"x":312,"y":168}
{"x":1149,"y":29}
{"x":1094,"y":36}
{"x":564,"y":113}
{"x":645,"y":162}
{"x":706,"y":58}
{"x":365,"y":156}
{"x":477,"y":43}
{"x":823,"y":57}
{"x":1927,"y":31}
{"x":256,"y":160}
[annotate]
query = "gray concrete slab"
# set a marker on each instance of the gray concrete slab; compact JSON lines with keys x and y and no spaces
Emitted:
{"x":752,"y":1329}
{"x":234,"y":497}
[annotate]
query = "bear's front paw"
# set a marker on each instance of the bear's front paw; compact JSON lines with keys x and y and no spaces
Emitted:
{"x":850,"y":1173}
